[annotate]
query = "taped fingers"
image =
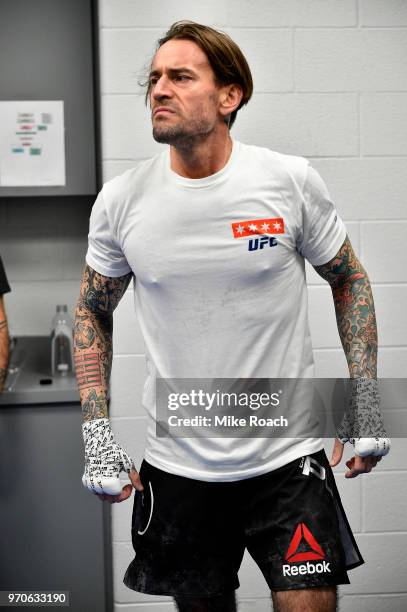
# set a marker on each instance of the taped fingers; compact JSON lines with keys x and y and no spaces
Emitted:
{"x":102,"y":485}
{"x":371,"y":446}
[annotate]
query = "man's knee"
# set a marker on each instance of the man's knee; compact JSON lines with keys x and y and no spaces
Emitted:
{"x":316,"y":599}
{"x":218,"y":603}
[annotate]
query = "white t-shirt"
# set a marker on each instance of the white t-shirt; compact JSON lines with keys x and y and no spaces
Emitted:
{"x":210,"y":304}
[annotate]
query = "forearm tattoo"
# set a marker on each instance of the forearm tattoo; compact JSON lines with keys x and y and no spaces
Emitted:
{"x":94,"y":406}
{"x":354,"y":310}
{"x":93,"y":334}
{"x":362,"y":418}
{"x":87,"y":367}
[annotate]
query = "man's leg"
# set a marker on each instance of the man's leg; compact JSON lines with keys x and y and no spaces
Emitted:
{"x":219,"y":603}
{"x":317,"y":599}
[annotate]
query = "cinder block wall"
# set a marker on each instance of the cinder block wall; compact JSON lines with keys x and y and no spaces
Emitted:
{"x":330,"y":84}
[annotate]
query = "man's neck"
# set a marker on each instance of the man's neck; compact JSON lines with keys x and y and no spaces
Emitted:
{"x":202,"y":159}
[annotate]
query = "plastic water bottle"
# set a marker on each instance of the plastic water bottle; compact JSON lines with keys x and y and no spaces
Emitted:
{"x":62,"y":342}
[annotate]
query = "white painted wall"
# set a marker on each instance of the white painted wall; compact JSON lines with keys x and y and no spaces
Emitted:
{"x":330,"y":84}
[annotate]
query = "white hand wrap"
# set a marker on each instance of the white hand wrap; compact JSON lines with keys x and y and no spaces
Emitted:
{"x":364,"y":420}
{"x":370,"y":446}
{"x":104,"y":458}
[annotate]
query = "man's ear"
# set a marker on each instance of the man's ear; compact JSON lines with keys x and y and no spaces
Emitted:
{"x":230,"y":98}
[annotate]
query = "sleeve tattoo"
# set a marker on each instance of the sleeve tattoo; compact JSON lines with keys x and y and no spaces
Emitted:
{"x":354,"y":308}
{"x":93,"y":339}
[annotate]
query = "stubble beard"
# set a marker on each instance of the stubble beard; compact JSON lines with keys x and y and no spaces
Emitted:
{"x":184,"y":134}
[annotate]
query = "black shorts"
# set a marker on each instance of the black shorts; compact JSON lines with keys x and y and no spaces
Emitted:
{"x":189,"y":535}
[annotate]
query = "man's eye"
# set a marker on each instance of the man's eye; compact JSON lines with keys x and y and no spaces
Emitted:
{"x":181,"y":77}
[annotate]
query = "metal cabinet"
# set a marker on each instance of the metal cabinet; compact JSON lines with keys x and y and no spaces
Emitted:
{"x":52,"y":531}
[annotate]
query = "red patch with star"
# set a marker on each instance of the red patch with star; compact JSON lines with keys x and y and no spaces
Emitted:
{"x":241,"y":229}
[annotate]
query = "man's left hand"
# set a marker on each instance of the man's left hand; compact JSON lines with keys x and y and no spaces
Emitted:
{"x":356,"y":464}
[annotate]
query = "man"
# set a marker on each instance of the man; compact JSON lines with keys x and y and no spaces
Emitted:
{"x":4,"y":337}
{"x":213,"y":304}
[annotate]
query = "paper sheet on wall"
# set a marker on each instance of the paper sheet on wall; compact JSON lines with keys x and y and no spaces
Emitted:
{"x":32,"y":143}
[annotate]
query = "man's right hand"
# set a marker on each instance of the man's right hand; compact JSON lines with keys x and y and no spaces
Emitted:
{"x":126,"y":491}
{"x":105,"y":458}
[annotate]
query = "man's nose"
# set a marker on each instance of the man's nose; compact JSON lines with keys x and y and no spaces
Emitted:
{"x":162,"y":88}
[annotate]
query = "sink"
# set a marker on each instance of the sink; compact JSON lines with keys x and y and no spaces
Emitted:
{"x":29,"y":380}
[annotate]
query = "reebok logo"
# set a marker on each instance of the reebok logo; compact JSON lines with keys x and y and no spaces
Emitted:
{"x":306,"y":568}
{"x":302,"y":532}
{"x":315,"y":553}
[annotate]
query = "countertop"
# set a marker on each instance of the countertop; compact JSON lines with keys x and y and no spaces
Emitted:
{"x":30,"y":380}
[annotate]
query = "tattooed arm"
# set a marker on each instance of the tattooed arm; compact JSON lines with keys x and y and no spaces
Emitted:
{"x":354,"y":308}
{"x":93,"y":350}
{"x":355,"y":315}
{"x":93,"y":332}
{"x":4,"y":344}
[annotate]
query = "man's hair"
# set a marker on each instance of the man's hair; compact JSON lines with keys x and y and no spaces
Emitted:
{"x":226,"y":59}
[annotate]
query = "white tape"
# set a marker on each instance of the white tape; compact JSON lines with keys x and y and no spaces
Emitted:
{"x":104,"y":458}
{"x":371,"y":446}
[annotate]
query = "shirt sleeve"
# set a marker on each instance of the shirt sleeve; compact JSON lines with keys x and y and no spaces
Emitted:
{"x":104,"y":253}
{"x":322,"y":232}
{"x":4,"y":286}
